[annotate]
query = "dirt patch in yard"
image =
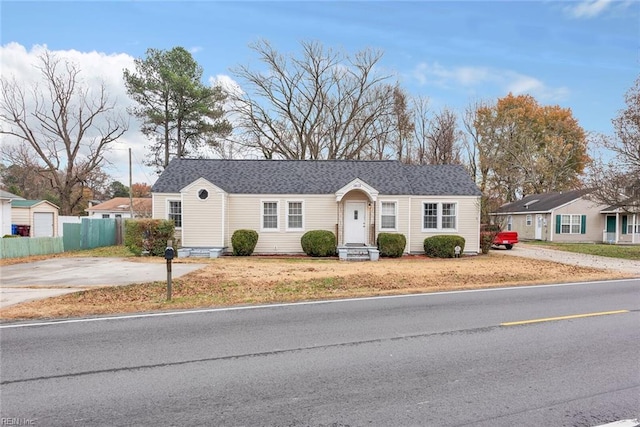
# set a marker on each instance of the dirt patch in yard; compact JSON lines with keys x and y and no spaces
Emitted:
{"x":258,"y":280}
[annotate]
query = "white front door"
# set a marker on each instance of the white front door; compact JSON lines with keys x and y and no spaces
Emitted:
{"x":355,"y":222}
{"x":539,"y":223}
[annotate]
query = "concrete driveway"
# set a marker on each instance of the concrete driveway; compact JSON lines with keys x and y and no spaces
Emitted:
{"x":58,"y":276}
{"x":581,"y":260}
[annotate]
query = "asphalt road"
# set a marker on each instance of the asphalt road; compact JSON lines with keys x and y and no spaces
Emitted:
{"x":437,"y":360}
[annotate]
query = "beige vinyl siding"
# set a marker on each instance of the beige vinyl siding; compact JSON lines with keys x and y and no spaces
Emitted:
{"x":245,"y":212}
{"x":20,"y":216}
{"x":403,"y":211}
{"x":202,"y":220}
{"x":160,"y":204}
{"x":467,"y":217}
{"x":528,"y":232}
{"x":595,"y":221}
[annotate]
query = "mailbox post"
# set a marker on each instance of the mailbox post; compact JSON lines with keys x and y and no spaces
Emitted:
{"x":169,"y":254}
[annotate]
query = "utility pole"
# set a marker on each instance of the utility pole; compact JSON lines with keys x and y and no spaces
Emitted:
{"x":130,"y":187}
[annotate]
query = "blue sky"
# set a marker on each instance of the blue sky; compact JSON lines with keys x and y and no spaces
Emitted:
{"x":578,"y":54}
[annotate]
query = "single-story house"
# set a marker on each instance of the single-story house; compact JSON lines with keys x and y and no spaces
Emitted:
{"x":5,"y":211}
{"x":41,"y":216}
{"x":568,"y":217}
{"x":283,"y":199}
{"x":120,"y":207}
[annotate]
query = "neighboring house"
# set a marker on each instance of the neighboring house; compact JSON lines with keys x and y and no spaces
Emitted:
{"x":283,"y":199}
{"x":120,"y":207}
{"x":5,"y":211}
{"x":621,"y":226}
{"x":568,"y":216}
{"x":40,"y":216}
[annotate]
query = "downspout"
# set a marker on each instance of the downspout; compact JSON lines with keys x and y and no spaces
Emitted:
{"x":409,"y":226}
{"x":224,"y":217}
{"x":617,"y":222}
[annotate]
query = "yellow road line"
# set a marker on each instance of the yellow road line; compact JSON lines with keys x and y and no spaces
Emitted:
{"x":574,"y":316}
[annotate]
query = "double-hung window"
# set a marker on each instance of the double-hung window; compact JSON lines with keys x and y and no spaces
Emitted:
{"x":439,"y":216}
{"x":294,"y":216}
{"x":570,"y":224}
{"x":388,"y":215}
{"x":449,"y":216}
{"x":430,"y":221}
{"x":175,"y":212}
{"x":269,"y":215}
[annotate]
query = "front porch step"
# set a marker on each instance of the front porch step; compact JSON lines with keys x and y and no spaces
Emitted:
{"x":208,"y":252}
{"x":358,"y":253}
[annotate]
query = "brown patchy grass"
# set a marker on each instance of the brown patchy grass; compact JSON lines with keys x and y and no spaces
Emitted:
{"x":232,"y":281}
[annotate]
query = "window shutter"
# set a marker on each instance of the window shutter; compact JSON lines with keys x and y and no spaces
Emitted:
{"x":558,"y":221}
{"x":624,"y":224}
{"x":583,"y":224}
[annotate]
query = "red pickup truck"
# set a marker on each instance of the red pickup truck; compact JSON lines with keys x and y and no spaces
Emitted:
{"x":506,"y":238}
{"x":502,"y":238}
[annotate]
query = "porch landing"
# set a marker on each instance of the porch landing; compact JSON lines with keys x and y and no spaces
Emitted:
{"x":357,"y":252}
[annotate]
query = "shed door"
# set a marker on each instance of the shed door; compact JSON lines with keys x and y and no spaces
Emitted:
{"x":43,"y":224}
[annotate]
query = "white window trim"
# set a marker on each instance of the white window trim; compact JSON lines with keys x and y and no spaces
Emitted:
{"x":395,"y":214}
{"x":198,"y":194}
{"x":287,"y":215}
{"x":269,"y":230}
{"x":529,"y":220}
{"x":571,"y":223}
{"x":510,"y":223}
{"x":439,"y":204}
{"x":168,"y":210}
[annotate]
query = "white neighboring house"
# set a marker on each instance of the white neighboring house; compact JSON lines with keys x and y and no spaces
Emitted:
{"x":120,"y":207}
{"x":5,"y":211}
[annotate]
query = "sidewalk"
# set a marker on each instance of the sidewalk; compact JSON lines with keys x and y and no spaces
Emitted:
{"x":581,"y":260}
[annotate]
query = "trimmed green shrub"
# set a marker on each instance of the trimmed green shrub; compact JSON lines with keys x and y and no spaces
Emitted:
{"x":443,"y":246}
{"x":148,"y":235}
{"x":244,"y":242}
{"x":391,"y":244}
{"x":9,"y":236}
{"x":319,"y":243}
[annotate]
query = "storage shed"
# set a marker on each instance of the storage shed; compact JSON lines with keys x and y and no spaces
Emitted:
{"x":40,"y":216}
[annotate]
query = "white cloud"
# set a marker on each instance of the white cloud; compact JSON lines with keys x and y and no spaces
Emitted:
{"x":97,"y":68}
{"x":588,"y":8}
{"x":227,"y":83}
{"x":486,"y":79}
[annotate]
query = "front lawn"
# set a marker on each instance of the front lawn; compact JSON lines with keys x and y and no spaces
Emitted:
{"x":600,"y":249}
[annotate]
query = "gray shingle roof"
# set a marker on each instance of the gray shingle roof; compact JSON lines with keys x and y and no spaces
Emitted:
{"x":6,"y":195}
{"x":316,"y":176}
{"x":542,"y":202}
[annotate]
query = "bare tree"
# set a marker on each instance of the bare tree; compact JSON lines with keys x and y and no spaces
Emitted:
{"x":68,"y":126}
{"x":420,"y":130}
{"x":321,"y":105}
{"x":616,"y":182}
{"x":443,"y":139}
